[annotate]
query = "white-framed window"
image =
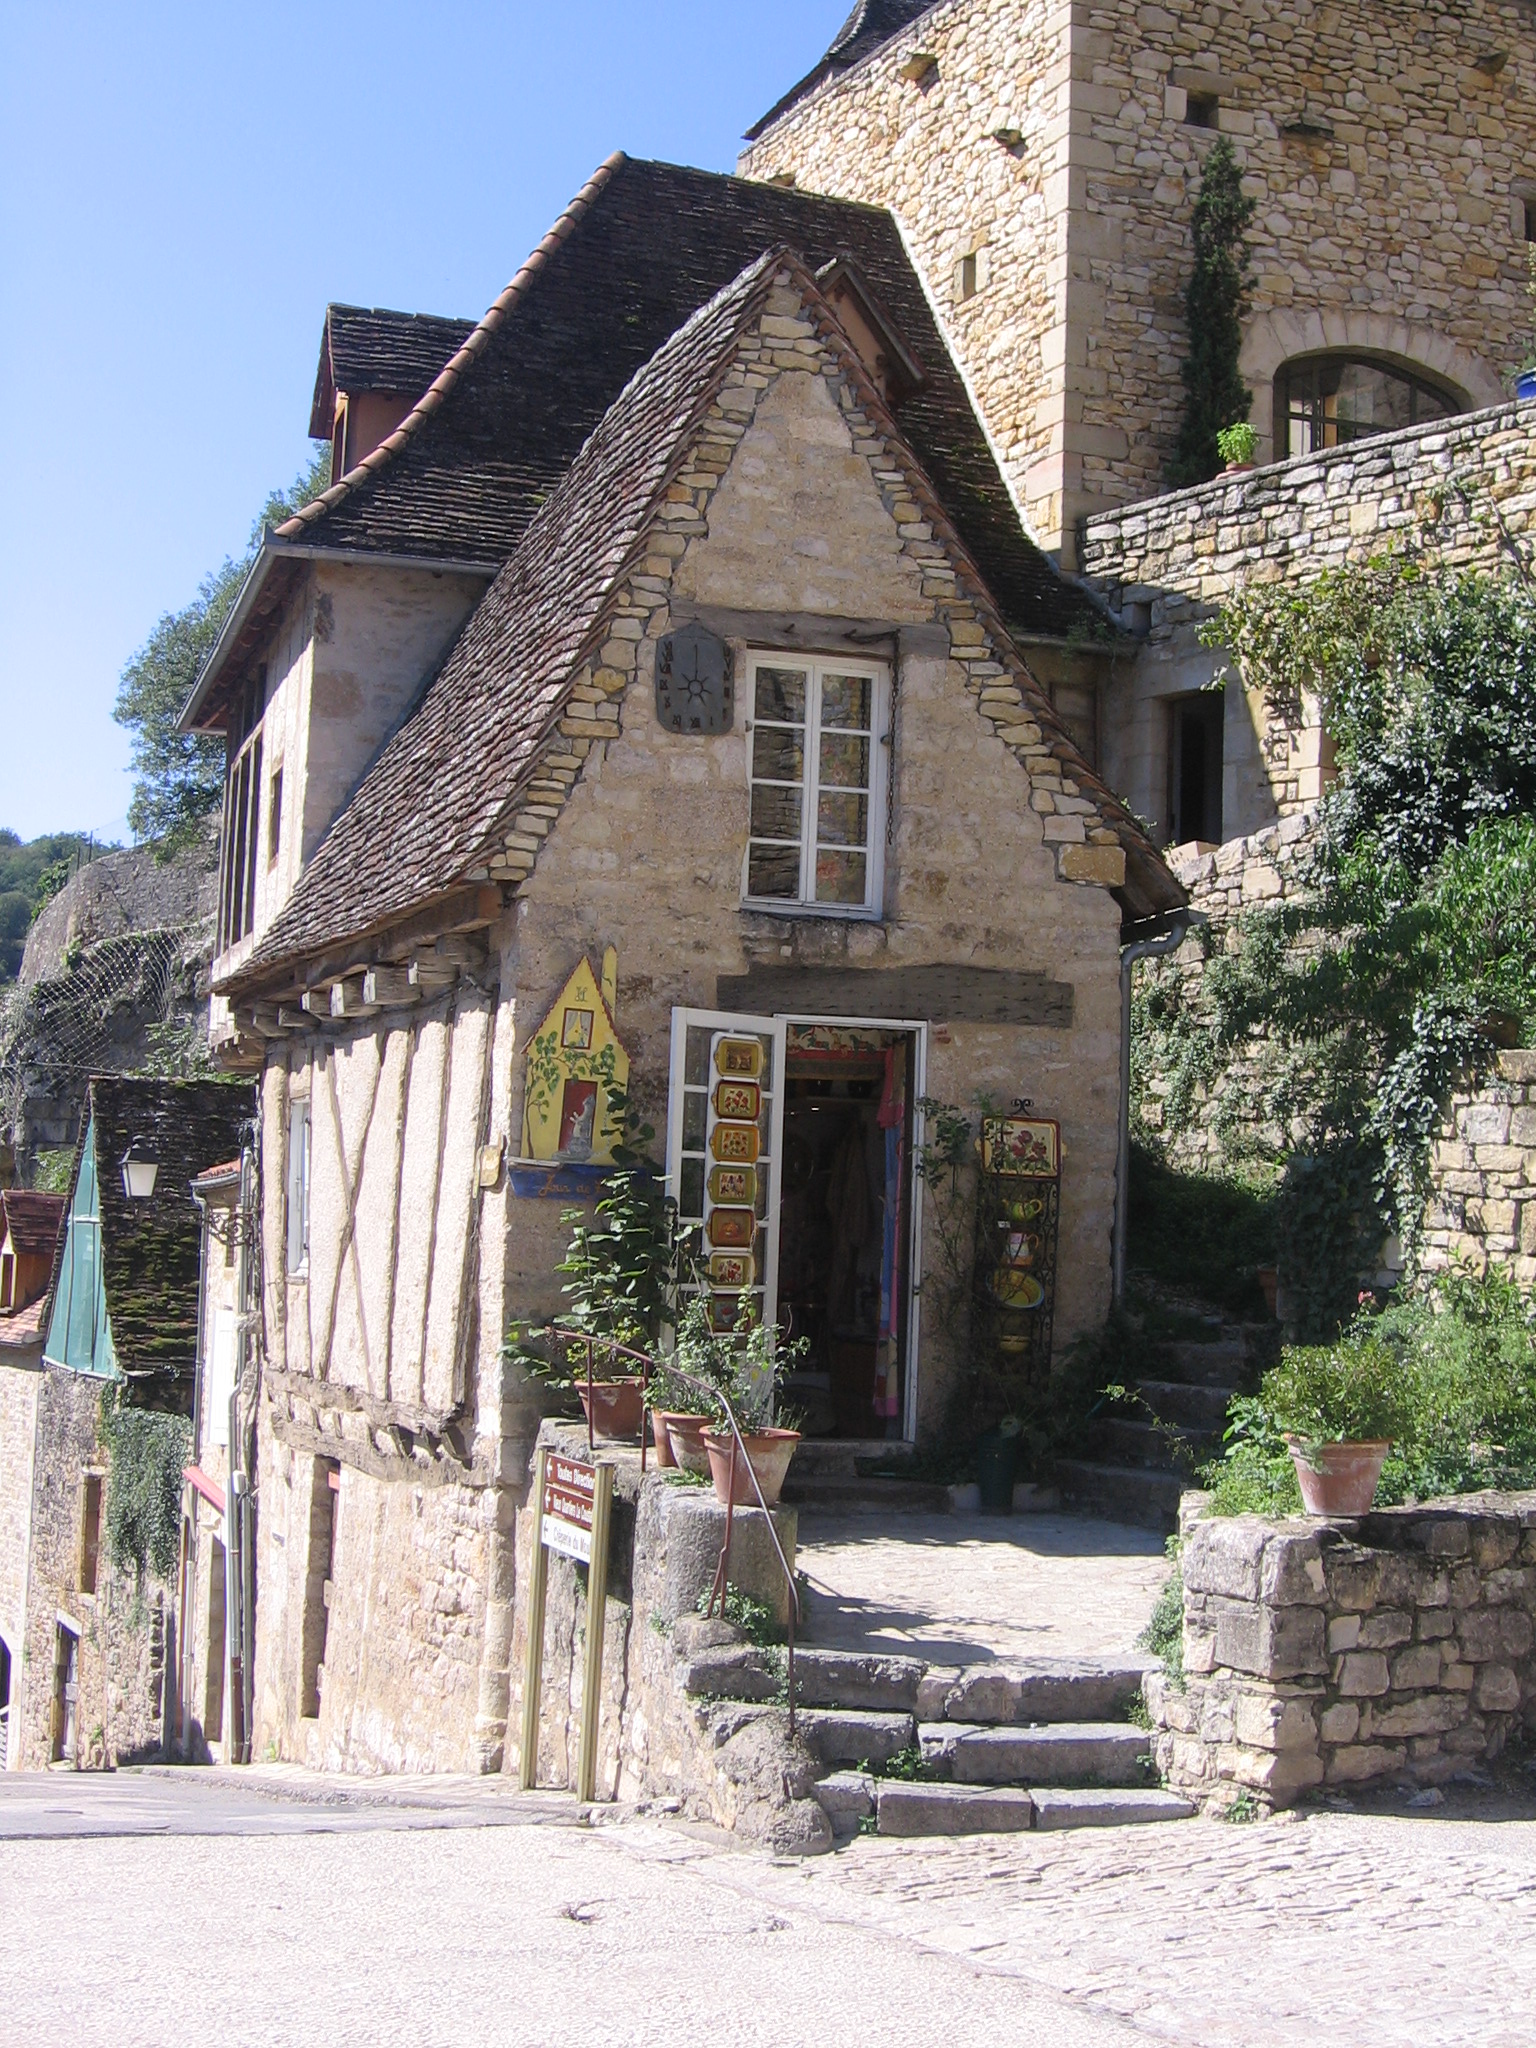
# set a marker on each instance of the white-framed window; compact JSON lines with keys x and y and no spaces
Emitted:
{"x":298,"y":1185}
{"x":819,"y":767}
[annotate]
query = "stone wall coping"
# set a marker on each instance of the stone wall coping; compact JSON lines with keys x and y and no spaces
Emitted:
{"x":1297,"y":472}
{"x":1518,"y":1066}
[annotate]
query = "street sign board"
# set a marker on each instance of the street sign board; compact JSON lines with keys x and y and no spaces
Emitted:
{"x":570,"y":1489}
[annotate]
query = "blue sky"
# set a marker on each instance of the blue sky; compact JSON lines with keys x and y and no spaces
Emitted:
{"x":183,"y":188}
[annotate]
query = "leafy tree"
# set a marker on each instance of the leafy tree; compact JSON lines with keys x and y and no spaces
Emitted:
{"x":30,"y":874}
{"x":1215,"y":303}
{"x":179,"y":777}
{"x":1414,"y":948}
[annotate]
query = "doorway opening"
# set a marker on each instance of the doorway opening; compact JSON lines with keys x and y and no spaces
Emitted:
{"x":1195,"y":762}
{"x":66,"y":1693}
{"x":845,"y":1207}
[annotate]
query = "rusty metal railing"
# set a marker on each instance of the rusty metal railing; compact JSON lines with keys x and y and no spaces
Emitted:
{"x":739,"y":1462}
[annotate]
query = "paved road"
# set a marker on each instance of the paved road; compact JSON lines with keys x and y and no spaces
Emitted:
{"x":290,"y":1910}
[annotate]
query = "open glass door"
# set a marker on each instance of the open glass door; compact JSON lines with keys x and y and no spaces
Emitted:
{"x":725,"y":1122}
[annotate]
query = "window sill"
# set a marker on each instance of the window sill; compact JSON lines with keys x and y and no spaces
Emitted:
{"x":835,"y":912}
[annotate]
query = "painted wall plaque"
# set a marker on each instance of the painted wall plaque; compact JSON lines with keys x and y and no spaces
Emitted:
{"x":732,"y":1269}
{"x":574,"y":1061}
{"x":733,"y":1185}
{"x":1018,"y":1144}
{"x":738,"y":1101}
{"x":732,"y":1229}
{"x":739,"y":1059}
{"x":695,"y":692}
{"x":735,"y":1144}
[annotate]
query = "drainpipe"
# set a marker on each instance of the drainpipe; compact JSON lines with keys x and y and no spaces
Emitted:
{"x":1138,"y":949}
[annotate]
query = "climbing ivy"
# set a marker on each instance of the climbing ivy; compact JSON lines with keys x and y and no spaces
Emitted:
{"x":147,"y":1455}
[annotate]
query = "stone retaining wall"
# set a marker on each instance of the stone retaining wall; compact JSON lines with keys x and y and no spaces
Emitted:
{"x":1484,"y":1167}
{"x":1398,"y":1646}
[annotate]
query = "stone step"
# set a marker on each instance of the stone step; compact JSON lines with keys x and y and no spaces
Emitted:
{"x":1222,"y":1364}
{"x":843,"y":1735}
{"x":1064,"y":1807}
{"x":1122,"y":1493}
{"x":1200,"y":1408}
{"x":846,"y":1493}
{"x":904,"y":1809}
{"x":947,"y":1809}
{"x":1085,"y":1753}
{"x":1033,"y":1690}
{"x":1152,"y":1446}
{"x":848,"y":1678}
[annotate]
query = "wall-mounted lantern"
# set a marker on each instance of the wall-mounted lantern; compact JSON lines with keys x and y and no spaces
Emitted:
{"x":138,"y":1174}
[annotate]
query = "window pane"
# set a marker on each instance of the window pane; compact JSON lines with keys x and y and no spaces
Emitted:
{"x":843,"y":821}
{"x":777,"y":755}
{"x":781,"y":694}
{"x":695,"y":1109}
{"x":846,"y":700}
{"x":774,"y":871}
{"x":844,"y":761}
{"x":775,"y":812}
{"x":839,"y":877}
{"x":696,"y":1058}
{"x":691,"y":1188}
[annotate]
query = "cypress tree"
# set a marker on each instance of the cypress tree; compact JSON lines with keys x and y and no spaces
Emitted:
{"x":1217,"y":299}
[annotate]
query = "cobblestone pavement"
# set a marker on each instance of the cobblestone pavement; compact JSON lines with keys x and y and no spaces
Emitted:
{"x":1373,"y":1928}
{"x":974,"y":1589}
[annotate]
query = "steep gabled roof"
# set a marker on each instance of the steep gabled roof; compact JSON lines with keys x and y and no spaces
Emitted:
{"x":871,"y":25}
{"x":438,"y":788}
{"x":432,"y":805}
{"x":368,"y":348}
{"x":640,"y":247}
{"x":31,"y":1219}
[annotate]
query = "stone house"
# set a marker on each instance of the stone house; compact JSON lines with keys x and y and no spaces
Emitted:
{"x":714,"y":675}
{"x":90,"y":1645}
{"x":1043,"y":160}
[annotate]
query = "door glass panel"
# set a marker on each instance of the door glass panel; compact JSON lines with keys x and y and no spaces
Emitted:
{"x":846,"y":701}
{"x":843,"y":820}
{"x":844,"y":761}
{"x":776,"y":812}
{"x":778,"y":754}
{"x":839,"y":877}
{"x":774,"y":871}
{"x":780,"y":695}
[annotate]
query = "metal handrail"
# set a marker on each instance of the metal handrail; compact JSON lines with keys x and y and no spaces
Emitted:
{"x":647,"y":1366}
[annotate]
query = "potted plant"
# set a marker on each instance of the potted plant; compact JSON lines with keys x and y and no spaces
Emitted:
{"x":755,"y":1360}
{"x":680,"y":1410}
{"x":1237,"y":445}
{"x":1341,"y":1406}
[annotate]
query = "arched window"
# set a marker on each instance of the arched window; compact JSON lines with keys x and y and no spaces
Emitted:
{"x":1323,"y":401}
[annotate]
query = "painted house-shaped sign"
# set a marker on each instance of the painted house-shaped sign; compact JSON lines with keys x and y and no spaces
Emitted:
{"x":126,"y":1288}
{"x":575,"y":1065}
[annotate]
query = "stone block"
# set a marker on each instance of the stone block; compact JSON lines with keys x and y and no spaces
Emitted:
{"x":1358,"y":1763}
{"x":1497,"y":1690}
{"x":1430,"y":1714}
{"x":1385,"y":1629}
{"x":1268,"y":1642}
{"x":1514,"y":1584}
{"x":1362,"y":1674}
{"x":1291,"y":1572}
{"x":1433,"y":1624}
{"x":1226,"y":1556}
{"x":1104,"y":865}
{"x":1340,"y":1722}
{"x":847,"y":1798}
{"x":1275,"y":1721}
{"x":1417,"y":1667}
{"x":1343,"y":1634}
{"x":1494,"y":1543}
{"x":1353,"y":1580}
{"x":903,"y":1809}
{"x":1489,"y":1632}
{"x":1457,"y":1677}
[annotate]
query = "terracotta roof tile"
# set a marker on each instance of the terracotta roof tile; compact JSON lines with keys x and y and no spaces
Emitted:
{"x":871,"y":25}
{"x":32,"y":1218}
{"x":368,"y":348}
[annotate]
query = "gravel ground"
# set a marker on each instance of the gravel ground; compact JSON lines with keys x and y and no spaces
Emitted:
{"x":453,"y":1912}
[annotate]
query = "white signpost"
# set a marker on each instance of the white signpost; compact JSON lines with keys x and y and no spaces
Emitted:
{"x":573,"y":1503}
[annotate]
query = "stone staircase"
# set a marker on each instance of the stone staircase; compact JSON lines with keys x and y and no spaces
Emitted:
{"x":1142,"y":1454}
{"x":824,"y":1474}
{"x":907,"y":1748}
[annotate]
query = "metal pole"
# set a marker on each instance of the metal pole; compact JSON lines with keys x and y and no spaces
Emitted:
{"x":597,"y":1612}
{"x":533,"y":1659}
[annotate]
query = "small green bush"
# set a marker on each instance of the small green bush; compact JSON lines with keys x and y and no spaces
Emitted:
{"x":1448,"y":1372}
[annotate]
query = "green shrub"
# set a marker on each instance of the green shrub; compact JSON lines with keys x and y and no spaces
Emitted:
{"x":1201,"y":1232}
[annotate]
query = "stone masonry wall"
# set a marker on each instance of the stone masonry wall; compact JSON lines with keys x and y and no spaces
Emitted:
{"x":1484,"y":1167}
{"x":1323,"y":1654}
{"x":1454,"y":495}
{"x":1386,"y":148}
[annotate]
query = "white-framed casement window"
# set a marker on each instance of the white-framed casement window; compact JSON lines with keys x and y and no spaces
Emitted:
{"x":819,"y":766}
{"x":298,"y":1186}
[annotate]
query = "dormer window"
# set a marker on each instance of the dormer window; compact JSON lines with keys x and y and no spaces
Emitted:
{"x":879,"y":346}
{"x":339,"y":439}
{"x":820,"y":738}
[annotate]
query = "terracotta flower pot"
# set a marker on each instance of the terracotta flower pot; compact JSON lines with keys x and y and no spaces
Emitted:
{"x":685,"y":1433}
{"x":768,"y":1451}
{"x":616,"y":1409}
{"x":1346,"y":1482}
{"x":661,"y":1443}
